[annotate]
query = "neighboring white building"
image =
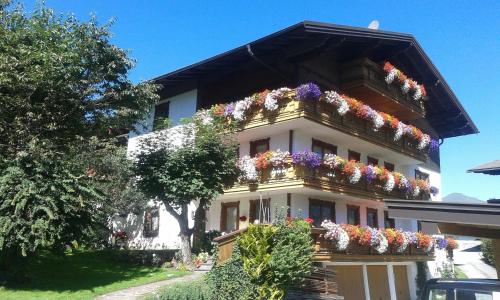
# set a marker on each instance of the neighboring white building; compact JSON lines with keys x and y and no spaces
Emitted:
{"x":339,"y":58}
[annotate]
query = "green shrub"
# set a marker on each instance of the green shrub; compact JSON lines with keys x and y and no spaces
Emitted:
{"x":229,"y":281}
{"x":193,"y":290}
{"x":276,"y":256}
{"x":488,"y":251}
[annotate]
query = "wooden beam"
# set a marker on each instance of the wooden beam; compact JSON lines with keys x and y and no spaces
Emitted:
{"x":476,"y":231}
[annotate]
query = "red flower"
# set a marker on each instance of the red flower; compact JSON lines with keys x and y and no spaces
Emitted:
{"x":388,"y":66}
{"x":309,"y":220}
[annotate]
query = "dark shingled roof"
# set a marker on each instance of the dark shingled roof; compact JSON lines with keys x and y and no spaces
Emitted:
{"x":445,"y":114}
{"x":490,"y":168}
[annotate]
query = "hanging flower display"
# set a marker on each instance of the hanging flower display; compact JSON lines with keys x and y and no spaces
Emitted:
{"x":407,"y":84}
{"x":345,"y":235}
{"x":352,"y":170}
{"x":269,"y":101}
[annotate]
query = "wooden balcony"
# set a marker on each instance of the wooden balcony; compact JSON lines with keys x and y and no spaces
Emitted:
{"x":324,"y":251}
{"x":320,"y":179}
{"x":364,"y":79}
{"x":327,"y":115}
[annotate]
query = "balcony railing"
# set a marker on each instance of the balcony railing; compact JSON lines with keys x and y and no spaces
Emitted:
{"x":326,"y":114}
{"x":365,"y":79}
{"x":322,"y":179}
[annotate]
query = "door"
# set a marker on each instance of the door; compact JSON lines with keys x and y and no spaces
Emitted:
{"x":378,"y":282}
{"x":230,"y":216}
{"x":401,"y":282}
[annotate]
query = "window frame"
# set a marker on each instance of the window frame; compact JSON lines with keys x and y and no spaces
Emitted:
{"x":358,"y":214}
{"x":372,"y":160}
{"x":391,"y":221}
{"x":351,"y":153}
{"x":370,"y":210}
{"x":421,"y":175}
{"x":256,"y":143}
{"x":223,"y":215}
{"x":389,"y":166}
{"x":324,"y":146}
{"x":321,"y":204}
{"x":253,"y":213}
{"x":156,"y":117}
{"x":148,"y":230}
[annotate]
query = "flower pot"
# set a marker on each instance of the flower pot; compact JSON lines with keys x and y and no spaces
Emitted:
{"x":355,"y":248}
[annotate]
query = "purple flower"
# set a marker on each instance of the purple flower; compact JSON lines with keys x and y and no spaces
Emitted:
{"x":228,"y":111}
{"x":433,"y":145}
{"x":306,"y":159}
{"x":441,"y":243}
{"x":370,"y":174}
{"x":434,"y":190}
{"x":308,"y":92}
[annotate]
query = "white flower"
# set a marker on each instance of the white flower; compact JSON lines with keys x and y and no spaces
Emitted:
{"x":337,"y":234}
{"x":383,"y":244}
{"x":331,"y":160}
{"x":247,"y":166}
{"x":424,"y":142}
{"x":406,"y":86}
{"x":336,"y":99}
{"x":391,"y":76}
{"x":204,"y":116}
{"x":389,"y":184}
{"x":378,"y":121}
{"x":418,"y":93}
{"x":416,"y":191}
{"x":399,"y":131}
{"x":355,"y":176}
{"x":279,"y":157}
{"x":272,"y":98}
{"x":240,"y":108}
{"x":403,"y":182}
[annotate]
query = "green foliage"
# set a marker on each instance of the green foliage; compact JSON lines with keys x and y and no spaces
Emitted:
{"x":64,"y":95}
{"x":488,"y":251}
{"x":276,"y":256}
{"x":193,"y":290}
{"x":230,"y":281}
{"x":204,"y":242}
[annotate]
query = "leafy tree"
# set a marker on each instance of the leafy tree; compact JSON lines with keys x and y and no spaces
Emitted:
{"x":64,"y":95}
{"x":193,"y":162}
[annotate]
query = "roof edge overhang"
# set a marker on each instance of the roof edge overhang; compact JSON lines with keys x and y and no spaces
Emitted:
{"x":338,"y":30}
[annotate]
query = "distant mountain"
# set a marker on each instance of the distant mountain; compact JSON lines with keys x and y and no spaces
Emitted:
{"x":458,"y":197}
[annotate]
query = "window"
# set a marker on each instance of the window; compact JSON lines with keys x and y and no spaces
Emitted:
{"x":389,"y":166}
{"x":353,"y":155}
{"x":372,"y":161}
{"x":388,"y":222}
{"x":323,"y":148}
{"x":230,"y":216}
{"x":421,"y":175}
{"x":320,"y":211}
{"x":352,"y":215}
{"x":161,"y":114}
{"x":263,"y":214}
{"x":259,"y":146}
{"x":372,"y":217}
{"x":151,"y":222}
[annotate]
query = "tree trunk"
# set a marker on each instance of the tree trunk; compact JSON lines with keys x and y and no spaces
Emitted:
{"x":185,"y":248}
{"x":199,"y":227}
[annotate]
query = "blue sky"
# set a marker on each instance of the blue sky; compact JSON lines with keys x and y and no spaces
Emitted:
{"x":461,"y":37}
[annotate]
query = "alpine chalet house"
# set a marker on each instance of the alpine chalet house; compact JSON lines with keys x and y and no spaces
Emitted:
{"x":332,"y":121}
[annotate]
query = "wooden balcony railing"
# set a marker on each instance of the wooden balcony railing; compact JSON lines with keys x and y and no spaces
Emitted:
{"x":320,"y":179}
{"x":326,"y":251}
{"x":326,"y":114}
{"x":364,"y":79}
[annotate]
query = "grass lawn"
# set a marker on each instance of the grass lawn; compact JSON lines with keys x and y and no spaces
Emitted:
{"x":82,"y":275}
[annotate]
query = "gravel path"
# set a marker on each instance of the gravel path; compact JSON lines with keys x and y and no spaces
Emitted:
{"x":468,"y":258}
{"x":142,"y":290}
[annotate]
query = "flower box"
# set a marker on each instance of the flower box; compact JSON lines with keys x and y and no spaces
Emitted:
{"x":356,"y":248}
